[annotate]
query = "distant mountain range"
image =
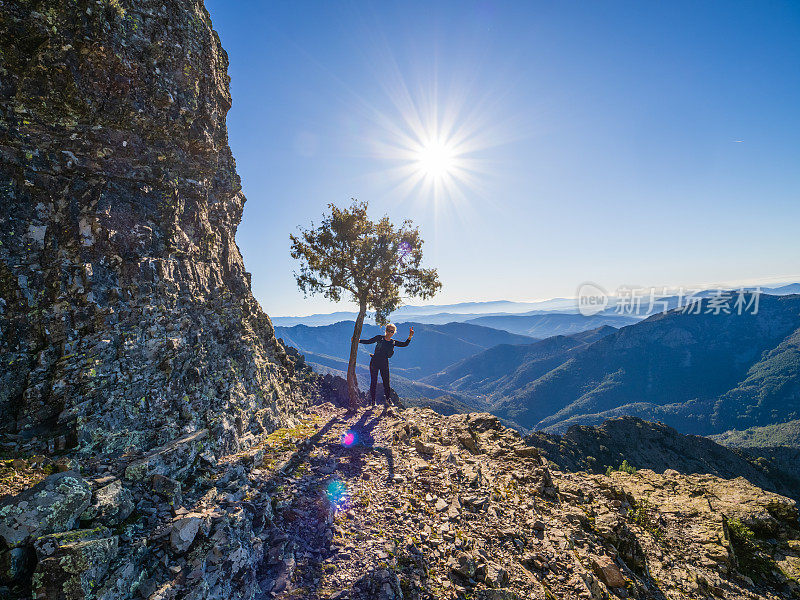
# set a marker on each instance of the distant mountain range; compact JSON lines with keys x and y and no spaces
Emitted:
{"x":701,"y":373}
{"x":543,"y":325}
{"x":438,"y":346}
{"x":502,"y":370}
{"x":451,"y":312}
{"x":466,"y":311}
{"x":433,"y":348}
{"x":783,"y":290}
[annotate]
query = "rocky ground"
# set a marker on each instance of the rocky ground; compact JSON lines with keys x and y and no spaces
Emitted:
{"x":399,"y":503}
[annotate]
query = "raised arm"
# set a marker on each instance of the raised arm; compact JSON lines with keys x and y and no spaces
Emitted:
{"x":408,"y":341}
{"x":371,"y":340}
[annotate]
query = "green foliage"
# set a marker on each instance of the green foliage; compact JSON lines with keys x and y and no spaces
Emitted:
{"x":753,"y":560}
{"x":625,"y":467}
{"x":118,"y":8}
{"x":373,"y":262}
{"x":739,"y":531}
{"x":770,"y":436}
{"x":643,"y":514}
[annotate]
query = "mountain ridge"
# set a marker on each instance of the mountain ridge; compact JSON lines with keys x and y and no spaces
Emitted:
{"x":656,"y":446}
{"x":694,"y":372}
{"x":552,"y":305}
{"x":433,"y":347}
{"x":535,"y":359}
{"x":780,"y":434}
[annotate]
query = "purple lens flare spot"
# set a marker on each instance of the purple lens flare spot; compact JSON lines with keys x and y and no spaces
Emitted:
{"x":349,"y":438}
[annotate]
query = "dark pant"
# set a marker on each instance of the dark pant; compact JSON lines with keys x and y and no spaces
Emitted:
{"x":383,"y":367}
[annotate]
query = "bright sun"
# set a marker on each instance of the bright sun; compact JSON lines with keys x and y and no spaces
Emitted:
{"x":435,"y":147}
{"x":435,"y":159}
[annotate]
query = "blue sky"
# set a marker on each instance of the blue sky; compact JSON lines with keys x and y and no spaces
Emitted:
{"x":625,"y":143}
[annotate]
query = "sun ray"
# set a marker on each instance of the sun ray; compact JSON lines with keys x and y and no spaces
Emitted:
{"x":435,"y":146}
{"x":432,"y":132}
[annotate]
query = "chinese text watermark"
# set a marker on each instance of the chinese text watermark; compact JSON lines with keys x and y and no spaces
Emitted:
{"x":645,"y":301}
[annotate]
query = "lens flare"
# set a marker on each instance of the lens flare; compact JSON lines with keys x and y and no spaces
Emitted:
{"x":435,"y":128}
{"x":337,"y":494}
{"x":437,"y":136}
{"x":349,"y":438}
{"x":434,"y":144}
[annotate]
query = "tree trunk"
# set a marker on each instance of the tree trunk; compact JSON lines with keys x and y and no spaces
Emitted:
{"x":352,"y":382}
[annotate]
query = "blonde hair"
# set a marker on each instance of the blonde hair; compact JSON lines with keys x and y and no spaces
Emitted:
{"x":391,"y":326}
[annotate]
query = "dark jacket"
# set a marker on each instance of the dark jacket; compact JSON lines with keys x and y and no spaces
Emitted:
{"x":384,"y":348}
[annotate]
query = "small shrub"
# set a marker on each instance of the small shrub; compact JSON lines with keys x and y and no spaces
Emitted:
{"x":625,"y":467}
{"x":753,"y":561}
{"x":642,"y":515}
{"x":739,"y":531}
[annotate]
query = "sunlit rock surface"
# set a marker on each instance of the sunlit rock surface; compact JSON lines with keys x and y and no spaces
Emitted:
{"x":411,"y":504}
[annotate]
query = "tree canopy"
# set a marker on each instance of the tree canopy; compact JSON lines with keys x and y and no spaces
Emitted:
{"x":375,"y":263}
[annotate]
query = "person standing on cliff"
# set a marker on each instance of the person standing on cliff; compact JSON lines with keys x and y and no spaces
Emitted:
{"x":384,"y":350}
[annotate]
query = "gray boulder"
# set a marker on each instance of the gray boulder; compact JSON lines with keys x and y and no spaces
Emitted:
{"x":167,"y":488}
{"x":112,"y":504}
{"x":423,"y":448}
{"x":51,"y":506}
{"x":496,"y":576}
{"x":184,"y":530}
{"x":72,"y":564}
{"x":172,"y":460}
{"x":381,"y":584}
{"x":465,"y":565}
{"x":49,"y":545}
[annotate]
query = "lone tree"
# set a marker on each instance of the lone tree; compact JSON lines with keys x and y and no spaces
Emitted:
{"x":372,"y":262}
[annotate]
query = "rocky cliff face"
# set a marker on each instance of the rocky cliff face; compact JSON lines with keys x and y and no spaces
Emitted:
{"x":126,"y":316}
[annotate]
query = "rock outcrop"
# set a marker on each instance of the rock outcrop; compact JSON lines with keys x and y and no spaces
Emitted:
{"x":51,"y":506}
{"x":427,"y":506}
{"x":126,"y":316}
{"x":656,"y":446}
